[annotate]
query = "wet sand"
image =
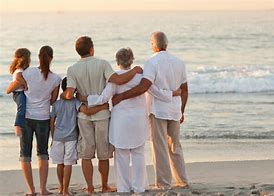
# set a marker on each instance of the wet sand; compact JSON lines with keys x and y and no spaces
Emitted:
{"x":206,"y":178}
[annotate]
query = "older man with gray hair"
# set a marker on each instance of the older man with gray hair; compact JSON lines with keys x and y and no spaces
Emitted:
{"x":165,"y":71}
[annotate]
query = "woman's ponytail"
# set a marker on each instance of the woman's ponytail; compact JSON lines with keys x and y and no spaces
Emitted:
{"x":45,"y":57}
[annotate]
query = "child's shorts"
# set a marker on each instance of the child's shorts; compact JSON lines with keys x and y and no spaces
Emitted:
{"x":64,"y":152}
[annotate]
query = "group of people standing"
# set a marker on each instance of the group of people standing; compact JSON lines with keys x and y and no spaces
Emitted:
{"x":90,"y":84}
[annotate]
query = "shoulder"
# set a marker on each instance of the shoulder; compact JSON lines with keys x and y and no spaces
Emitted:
{"x":18,"y":71}
{"x":175,"y":59}
{"x":30,"y":70}
{"x":74,"y":66}
{"x":55,"y":76}
{"x":101,"y":61}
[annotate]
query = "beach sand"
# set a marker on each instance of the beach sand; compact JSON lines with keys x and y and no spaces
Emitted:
{"x":207,"y":178}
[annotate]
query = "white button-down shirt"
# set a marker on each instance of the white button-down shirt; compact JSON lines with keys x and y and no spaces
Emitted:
{"x":167,"y":72}
{"x":129,"y":127}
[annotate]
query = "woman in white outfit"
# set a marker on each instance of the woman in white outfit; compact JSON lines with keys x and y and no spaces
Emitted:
{"x":129,"y":126}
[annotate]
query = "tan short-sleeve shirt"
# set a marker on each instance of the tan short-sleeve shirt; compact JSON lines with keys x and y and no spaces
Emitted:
{"x":89,"y":76}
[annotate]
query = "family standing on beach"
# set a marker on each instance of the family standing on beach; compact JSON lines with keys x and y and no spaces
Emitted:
{"x":82,"y":126}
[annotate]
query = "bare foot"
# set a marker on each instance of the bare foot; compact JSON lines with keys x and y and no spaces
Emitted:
{"x":89,"y":190}
{"x":60,"y":190}
{"x":18,"y":131}
{"x":182,"y":185}
{"x":46,"y":192}
{"x":109,"y":189}
{"x":31,"y":194}
{"x":67,"y":194}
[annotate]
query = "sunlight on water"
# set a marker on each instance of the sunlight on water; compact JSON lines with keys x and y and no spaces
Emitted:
{"x":230,"y":64}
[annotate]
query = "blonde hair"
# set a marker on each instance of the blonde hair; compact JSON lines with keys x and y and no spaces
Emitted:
{"x":21,"y":60}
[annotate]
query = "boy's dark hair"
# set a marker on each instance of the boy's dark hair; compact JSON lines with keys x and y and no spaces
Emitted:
{"x":83,"y":45}
{"x":64,"y":84}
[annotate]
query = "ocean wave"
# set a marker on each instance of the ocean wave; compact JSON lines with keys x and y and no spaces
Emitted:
{"x":219,"y":135}
{"x":205,"y":135}
{"x":231,"y":80}
{"x":7,"y":134}
{"x":207,"y":80}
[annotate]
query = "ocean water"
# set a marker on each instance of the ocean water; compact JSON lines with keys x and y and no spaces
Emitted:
{"x":229,"y":58}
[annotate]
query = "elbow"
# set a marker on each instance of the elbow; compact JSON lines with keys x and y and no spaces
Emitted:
{"x":144,"y":89}
{"x":8,"y":91}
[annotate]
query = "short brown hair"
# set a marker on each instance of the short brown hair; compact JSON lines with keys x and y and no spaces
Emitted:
{"x":83,"y":45}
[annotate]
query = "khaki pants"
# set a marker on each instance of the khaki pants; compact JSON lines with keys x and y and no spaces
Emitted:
{"x":93,"y":137}
{"x":167,"y":152}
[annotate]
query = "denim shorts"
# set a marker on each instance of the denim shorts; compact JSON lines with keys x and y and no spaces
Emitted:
{"x":20,"y":99}
{"x":41,"y":128}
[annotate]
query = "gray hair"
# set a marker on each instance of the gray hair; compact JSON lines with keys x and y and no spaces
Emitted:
{"x":124,"y":57}
{"x":159,"y":40}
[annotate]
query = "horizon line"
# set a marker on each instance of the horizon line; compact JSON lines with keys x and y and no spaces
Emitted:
{"x":138,"y":10}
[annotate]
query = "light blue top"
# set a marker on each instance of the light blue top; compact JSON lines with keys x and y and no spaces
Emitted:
{"x":65,"y":112}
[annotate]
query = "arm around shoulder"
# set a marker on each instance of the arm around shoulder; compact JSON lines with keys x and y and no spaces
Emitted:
{"x":141,"y":88}
{"x":125,"y":77}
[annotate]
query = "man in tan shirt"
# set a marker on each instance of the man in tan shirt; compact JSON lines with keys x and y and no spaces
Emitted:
{"x":89,"y":76}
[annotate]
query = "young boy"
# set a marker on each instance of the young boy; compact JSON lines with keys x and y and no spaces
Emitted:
{"x":64,"y":132}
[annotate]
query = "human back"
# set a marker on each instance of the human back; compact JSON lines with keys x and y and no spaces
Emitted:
{"x":39,"y":92}
{"x":89,"y":76}
{"x":66,"y":119}
{"x":170,"y":70}
{"x":136,"y":103}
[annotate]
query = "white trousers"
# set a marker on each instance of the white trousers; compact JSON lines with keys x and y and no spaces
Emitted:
{"x":132,"y":178}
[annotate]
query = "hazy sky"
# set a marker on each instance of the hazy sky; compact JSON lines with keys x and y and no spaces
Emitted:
{"x":116,"y":5}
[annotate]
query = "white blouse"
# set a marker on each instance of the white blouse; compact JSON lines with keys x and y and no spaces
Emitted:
{"x":129,"y":124}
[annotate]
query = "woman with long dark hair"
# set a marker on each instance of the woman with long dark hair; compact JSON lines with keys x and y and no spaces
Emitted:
{"x":43,"y":88}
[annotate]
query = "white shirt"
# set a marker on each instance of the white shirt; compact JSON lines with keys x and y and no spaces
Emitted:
{"x":39,"y":93}
{"x":20,"y":70}
{"x":167,"y":72}
{"x":129,"y":127}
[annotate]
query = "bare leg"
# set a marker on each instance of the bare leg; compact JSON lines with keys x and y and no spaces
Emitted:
{"x":60,"y":175}
{"x":103,"y":167}
{"x":67,"y":175}
{"x":43,"y":167}
{"x":87,"y":169}
{"x":27,"y":171}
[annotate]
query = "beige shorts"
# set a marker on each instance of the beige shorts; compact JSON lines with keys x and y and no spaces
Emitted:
{"x":93,"y":136}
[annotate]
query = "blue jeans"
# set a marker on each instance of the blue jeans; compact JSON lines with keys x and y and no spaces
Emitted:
{"x":20,"y":99}
{"x":41,"y":128}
